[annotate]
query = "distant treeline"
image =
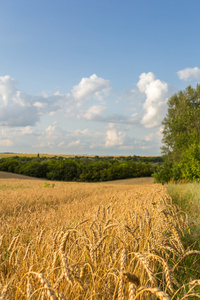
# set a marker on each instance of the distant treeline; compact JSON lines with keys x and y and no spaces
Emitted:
{"x":90,"y":169}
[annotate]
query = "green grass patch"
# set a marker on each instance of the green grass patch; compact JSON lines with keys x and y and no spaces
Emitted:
{"x":13,"y":187}
{"x":187,"y":197}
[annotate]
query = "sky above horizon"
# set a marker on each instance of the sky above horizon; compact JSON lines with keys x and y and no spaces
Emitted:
{"x":93,"y":77}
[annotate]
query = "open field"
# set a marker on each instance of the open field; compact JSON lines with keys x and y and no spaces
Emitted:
{"x":113,"y":240}
{"x":5,"y":155}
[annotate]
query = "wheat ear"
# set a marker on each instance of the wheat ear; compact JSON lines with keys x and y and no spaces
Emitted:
{"x":47,"y":285}
{"x":122,"y":269}
{"x":66,"y":268}
{"x":156,"y":291}
{"x":145,"y":263}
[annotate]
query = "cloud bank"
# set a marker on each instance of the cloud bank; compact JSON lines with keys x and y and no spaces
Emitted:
{"x":88,"y":118}
{"x":189,"y":74}
{"x":16,"y":108}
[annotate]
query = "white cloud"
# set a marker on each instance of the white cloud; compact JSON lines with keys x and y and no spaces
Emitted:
{"x":29,"y":115}
{"x":126,"y":147}
{"x":94,"y":112}
{"x":145,"y":80}
{"x":74,"y":143}
{"x":7,"y":89}
{"x":50,"y":130}
{"x":97,"y":113}
{"x":6,"y":143}
{"x":79,"y":132}
{"x":189,"y":74}
{"x":15,"y":108}
{"x":156,"y":92}
{"x":61,"y":144}
{"x":27,"y":130}
{"x":155,"y":136}
{"x":20,"y":109}
{"x":92,"y":87}
{"x":145,"y":147}
{"x":39,"y":104}
{"x":114,"y":137}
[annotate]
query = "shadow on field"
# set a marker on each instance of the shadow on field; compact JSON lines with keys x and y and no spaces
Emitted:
{"x":5,"y":175}
{"x":130,"y":181}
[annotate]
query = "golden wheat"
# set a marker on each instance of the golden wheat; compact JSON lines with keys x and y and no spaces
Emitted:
{"x":91,"y":241}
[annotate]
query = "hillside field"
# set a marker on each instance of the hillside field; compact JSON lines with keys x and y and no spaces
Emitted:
{"x":113,"y":240}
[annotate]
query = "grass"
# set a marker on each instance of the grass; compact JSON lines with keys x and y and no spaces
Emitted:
{"x":187,"y":197}
{"x":61,"y":240}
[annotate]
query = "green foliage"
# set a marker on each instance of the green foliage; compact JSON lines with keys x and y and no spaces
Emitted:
{"x":187,"y":197}
{"x":181,"y":137}
{"x":80,"y":168}
{"x":182,"y":122}
{"x":48,"y":185}
{"x":163,"y":173}
{"x":190,"y":163}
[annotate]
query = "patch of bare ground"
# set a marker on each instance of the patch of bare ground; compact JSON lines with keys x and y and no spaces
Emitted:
{"x":61,"y":240}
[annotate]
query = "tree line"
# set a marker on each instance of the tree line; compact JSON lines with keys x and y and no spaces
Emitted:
{"x":80,"y":168}
{"x":181,"y":138}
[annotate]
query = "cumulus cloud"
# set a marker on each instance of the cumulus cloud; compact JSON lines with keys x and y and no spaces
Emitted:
{"x":62,"y":143}
{"x":80,"y":132}
{"x":50,"y":130}
{"x":114,"y":137}
{"x":15,"y":107}
{"x":6,"y":143}
{"x":94,"y":112}
{"x":74,"y":143}
{"x":155,"y":136}
{"x":97,"y":113}
{"x":189,"y":74}
{"x":92,"y":87}
{"x":39,"y":104}
{"x":156,"y":92}
{"x":21,"y":109}
{"x":28,"y":130}
{"x":7,"y":89}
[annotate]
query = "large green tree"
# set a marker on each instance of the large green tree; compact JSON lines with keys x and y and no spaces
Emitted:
{"x":181,"y":134}
{"x":181,"y":126}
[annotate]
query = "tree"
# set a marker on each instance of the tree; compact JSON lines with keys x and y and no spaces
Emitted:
{"x":182,"y":122}
{"x":181,"y":134}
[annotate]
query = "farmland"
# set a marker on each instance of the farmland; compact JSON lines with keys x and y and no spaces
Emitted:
{"x":115,"y":240}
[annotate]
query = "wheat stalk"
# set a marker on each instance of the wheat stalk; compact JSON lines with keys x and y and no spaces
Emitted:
{"x":156,"y":291}
{"x":146,"y":266}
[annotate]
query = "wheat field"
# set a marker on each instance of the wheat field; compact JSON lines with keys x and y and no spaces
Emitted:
{"x":115,"y":240}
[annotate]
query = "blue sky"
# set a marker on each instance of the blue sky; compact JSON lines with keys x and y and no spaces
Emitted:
{"x":93,"y":77}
